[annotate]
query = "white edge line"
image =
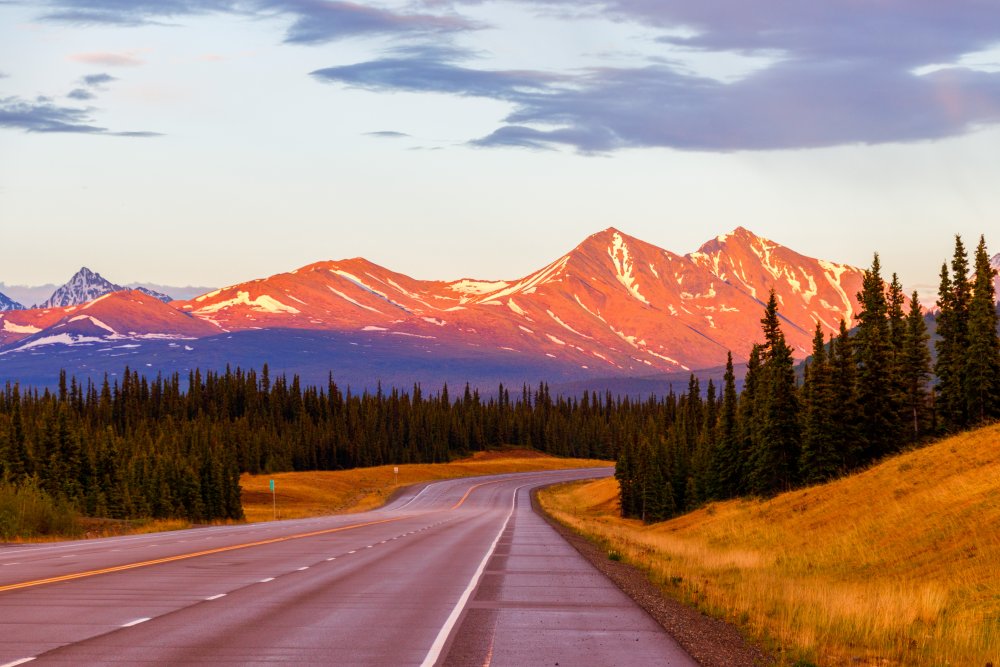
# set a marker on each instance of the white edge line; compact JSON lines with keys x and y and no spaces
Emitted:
{"x":415,"y":497}
{"x":17,"y":662}
{"x":303,"y":569}
{"x":264,"y":581}
{"x":449,"y":625}
{"x":135,"y":622}
{"x":216,"y":597}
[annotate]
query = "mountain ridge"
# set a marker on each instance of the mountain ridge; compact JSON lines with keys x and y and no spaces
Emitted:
{"x":613,"y":306}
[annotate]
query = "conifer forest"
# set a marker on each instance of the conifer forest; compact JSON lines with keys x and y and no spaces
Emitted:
{"x":167,"y":447}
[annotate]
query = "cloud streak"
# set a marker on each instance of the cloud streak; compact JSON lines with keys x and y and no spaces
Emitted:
{"x":45,"y":117}
{"x":843,"y":73}
{"x":107,"y":58}
{"x":313,"y":21}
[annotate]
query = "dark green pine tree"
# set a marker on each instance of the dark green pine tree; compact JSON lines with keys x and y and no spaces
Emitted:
{"x":916,"y":372}
{"x":846,"y":411}
{"x":778,"y":447}
{"x":953,"y":342}
{"x":820,"y":460}
{"x":748,"y":421}
{"x":982,"y":366}
{"x":625,"y":473}
{"x":727,"y":455}
{"x":877,"y":378}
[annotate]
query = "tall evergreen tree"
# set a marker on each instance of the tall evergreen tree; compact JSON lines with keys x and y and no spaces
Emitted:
{"x":877,"y":380}
{"x":776,"y":456}
{"x":915,"y":371}
{"x":846,"y":409}
{"x":819,"y":460}
{"x":727,"y":456}
{"x":982,"y":366}
{"x":953,"y":341}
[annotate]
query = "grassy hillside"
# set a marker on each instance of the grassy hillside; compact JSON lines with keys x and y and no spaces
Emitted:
{"x":899,"y":565}
{"x":305,"y":494}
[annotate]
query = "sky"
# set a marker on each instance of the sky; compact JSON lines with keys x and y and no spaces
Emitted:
{"x":210,"y":142}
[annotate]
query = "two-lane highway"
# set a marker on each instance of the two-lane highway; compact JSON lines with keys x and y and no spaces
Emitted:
{"x":459,"y":572}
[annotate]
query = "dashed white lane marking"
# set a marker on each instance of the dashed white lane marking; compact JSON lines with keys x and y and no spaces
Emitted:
{"x":264,"y":581}
{"x":5,"y":565}
{"x":303,"y":568}
{"x":369,"y":546}
{"x":353,"y":552}
{"x":216,"y":597}
{"x":136,"y":622}
{"x":15,"y":663}
{"x":69,"y":556}
{"x":329,"y":559}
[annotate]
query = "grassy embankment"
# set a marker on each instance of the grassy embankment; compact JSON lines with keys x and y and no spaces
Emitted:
{"x":305,"y":494}
{"x":898,"y":565}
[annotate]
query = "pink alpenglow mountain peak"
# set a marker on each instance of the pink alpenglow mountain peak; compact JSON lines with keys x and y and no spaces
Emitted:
{"x":614,"y":305}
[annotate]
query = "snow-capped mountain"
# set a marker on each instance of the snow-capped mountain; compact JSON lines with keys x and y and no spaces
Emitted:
{"x":87,"y":285}
{"x":116,"y":316}
{"x":7,"y":303}
{"x":613,"y":304}
{"x":612,"y":307}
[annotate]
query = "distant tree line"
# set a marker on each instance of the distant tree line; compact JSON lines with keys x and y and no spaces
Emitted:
{"x":160,"y":447}
{"x":864,"y":394}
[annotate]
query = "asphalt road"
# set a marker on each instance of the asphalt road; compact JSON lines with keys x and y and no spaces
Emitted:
{"x":460,"y":572}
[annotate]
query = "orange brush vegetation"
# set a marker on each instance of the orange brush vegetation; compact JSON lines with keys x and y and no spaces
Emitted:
{"x":898,"y":565}
{"x":305,"y":494}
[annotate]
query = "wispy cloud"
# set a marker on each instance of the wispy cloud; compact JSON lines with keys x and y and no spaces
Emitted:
{"x":97,"y":80}
{"x":387,"y":134}
{"x":81,"y":94}
{"x":127,"y":59}
{"x":313,"y":21}
{"x":842,"y":73}
{"x":43,"y":116}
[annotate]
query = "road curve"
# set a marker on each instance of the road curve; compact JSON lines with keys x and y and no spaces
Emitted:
{"x":459,"y":572}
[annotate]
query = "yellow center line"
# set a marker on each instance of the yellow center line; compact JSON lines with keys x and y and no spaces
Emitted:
{"x":171,"y":559}
{"x":473,"y":488}
{"x":219,"y":550}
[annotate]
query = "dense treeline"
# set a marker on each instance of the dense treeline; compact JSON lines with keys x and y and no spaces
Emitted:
{"x":141,"y":447}
{"x":864,"y":394}
{"x":145,"y":447}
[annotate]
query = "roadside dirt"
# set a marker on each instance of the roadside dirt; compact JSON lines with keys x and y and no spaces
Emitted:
{"x":713,"y":643}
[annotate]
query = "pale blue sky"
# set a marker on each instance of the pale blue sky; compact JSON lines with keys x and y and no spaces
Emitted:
{"x":230,"y":140}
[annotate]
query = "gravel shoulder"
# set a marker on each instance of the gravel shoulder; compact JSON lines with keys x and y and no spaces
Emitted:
{"x":713,"y":643}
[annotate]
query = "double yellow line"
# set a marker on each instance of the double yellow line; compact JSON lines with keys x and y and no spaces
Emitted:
{"x":219,"y":550}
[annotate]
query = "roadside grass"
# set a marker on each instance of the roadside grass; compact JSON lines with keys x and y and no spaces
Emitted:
{"x":897,"y":565}
{"x":308,"y":494}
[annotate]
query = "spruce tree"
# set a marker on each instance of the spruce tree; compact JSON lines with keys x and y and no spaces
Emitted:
{"x":846,"y":410}
{"x":953,"y":341}
{"x":982,"y":366}
{"x":916,"y":371}
{"x":776,"y":456}
{"x":819,"y":460}
{"x":727,"y":455}
{"x":877,"y":379}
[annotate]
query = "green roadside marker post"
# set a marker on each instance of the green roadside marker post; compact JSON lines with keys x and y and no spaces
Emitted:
{"x":274,"y":502}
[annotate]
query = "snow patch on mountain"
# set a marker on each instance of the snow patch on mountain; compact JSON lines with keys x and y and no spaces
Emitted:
{"x":11,"y":327}
{"x":262,"y":304}
{"x":350,"y":300}
{"x":96,"y":322}
{"x":620,"y":256}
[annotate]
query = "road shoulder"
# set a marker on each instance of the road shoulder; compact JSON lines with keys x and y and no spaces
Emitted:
{"x":710,"y":641}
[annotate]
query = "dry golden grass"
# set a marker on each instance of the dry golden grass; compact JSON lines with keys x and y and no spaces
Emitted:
{"x":898,"y":565}
{"x":305,"y":494}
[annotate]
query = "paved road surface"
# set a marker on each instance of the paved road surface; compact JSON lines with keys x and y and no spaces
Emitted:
{"x":460,"y":572}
